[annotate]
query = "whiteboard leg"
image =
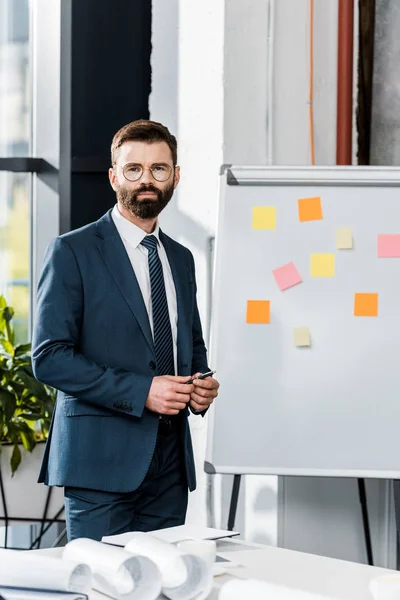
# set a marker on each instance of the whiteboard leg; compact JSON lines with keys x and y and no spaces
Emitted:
{"x":234,"y":502}
{"x":396,"y":491}
{"x":364,"y":510}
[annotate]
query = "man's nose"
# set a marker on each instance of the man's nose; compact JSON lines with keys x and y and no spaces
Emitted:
{"x":146,"y":176}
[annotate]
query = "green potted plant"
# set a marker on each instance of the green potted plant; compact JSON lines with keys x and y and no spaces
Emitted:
{"x":26,"y":405}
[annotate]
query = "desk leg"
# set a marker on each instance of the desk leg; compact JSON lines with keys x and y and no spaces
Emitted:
{"x":364,"y":510}
{"x":396,"y":492}
{"x":234,"y":502}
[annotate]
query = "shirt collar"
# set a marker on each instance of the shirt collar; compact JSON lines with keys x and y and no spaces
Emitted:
{"x":129,"y":231}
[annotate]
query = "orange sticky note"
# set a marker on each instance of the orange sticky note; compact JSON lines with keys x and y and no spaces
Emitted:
{"x":310,"y":209}
{"x":258,"y":311}
{"x":365,"y":305}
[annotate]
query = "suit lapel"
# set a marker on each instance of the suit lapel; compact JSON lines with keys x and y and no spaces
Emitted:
{"x":113,"y":251}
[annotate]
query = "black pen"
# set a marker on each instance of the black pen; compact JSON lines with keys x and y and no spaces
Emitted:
{"x":202,"y":376}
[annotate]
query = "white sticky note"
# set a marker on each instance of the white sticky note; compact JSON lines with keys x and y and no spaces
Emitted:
{"x":302,"y":337}
{"x":344,"y":238}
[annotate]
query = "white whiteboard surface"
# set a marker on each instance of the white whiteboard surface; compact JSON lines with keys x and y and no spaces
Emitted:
{"x":332,"y":409}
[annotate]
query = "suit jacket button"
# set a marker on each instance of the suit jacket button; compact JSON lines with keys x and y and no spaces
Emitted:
{"x":152,"y":365}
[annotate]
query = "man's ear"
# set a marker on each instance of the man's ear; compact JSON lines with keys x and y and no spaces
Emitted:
{"x":177,"y":176}
{"x":112,"y":177}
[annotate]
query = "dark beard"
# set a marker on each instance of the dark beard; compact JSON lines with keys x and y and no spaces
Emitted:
{"x":145,"y":209}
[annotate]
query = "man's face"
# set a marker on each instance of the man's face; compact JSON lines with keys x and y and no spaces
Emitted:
{"x":146,"y":197}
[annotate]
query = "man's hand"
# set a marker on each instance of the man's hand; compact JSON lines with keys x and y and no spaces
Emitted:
{"x":168,"y":395}
{"x":205,"y":390}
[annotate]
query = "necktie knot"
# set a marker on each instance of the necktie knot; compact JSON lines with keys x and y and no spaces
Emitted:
{"x":150,"y":242}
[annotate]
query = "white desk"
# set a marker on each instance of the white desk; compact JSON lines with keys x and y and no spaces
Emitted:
{"x":337,"y":579}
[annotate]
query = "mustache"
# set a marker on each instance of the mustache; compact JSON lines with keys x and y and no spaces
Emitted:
{"x":147,"y":188}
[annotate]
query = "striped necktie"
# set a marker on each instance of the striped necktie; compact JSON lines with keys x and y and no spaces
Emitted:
{"x":162,"y":332}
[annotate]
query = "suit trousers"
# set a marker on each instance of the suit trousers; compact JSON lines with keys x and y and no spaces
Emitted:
{"x":160,"y":501}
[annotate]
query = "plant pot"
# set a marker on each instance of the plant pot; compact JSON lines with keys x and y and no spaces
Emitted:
{"x":24,"y":497}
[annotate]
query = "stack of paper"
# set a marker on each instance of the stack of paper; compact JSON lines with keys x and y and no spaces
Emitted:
{"x":174,"y":534}
{"x":26,"y":570}
{"x":184,"y":576}
{"x":117,"y":572}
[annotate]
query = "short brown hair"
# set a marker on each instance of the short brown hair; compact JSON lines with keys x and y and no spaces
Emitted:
{"x":144,"y":131}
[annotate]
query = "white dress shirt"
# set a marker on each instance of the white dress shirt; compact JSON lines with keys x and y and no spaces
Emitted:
{"x":132,"y":236}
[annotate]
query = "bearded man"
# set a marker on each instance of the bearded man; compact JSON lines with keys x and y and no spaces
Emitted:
{"x":117,"y":332}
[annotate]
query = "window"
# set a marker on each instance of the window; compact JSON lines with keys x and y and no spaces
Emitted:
{"x":15,"y":247}
{"x":14,"y":78}
{"x":15,"y":130}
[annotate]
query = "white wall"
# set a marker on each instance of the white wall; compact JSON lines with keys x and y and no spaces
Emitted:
{"x":210,"y":85}
{"x":187,"y":96}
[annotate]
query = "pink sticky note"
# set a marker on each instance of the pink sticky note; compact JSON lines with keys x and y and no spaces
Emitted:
{"x":389,"y":245}
{"x":286,"y":276}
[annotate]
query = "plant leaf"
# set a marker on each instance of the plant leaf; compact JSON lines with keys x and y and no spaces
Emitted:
{"x":26,"y":434}
{"x":3,"y":302}
{"x":15,"y":459}
{"x":7,"y":403}
{"x":32,"y":385}
{"x":7,"y":346}
{"x":21,"y":349}
{"x":8,"y":313}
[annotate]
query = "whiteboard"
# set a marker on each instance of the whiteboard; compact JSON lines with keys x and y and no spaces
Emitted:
{"x":331,"y":409}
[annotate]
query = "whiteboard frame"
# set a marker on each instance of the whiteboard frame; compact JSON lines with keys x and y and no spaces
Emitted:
{"x":296,"y":176}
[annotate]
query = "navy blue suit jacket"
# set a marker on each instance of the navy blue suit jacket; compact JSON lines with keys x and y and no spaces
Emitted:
{"x":92,"y":341}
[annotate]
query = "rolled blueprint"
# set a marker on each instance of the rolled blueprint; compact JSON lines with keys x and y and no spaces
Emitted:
{"x":184,"y":576}
{"x":116,"y":572}
{"x":28,"y":570}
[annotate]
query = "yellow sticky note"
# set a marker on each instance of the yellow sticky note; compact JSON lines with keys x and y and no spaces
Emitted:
{"x":264,"y":217}
{"x":322,"y":265}
{"x":302,"y":336}
{"x":310,"y":209}
{"x":344,"y":239}
{"x":365,"y":305}
{"x":258,"y":311}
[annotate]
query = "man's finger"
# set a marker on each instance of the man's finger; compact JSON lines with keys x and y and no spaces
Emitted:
{"x":183,"y":388}
{"x":209,"y":383}
{"x":178,"y":378}
{"x":202,"y":392}
{"x":200,"y":400}
{"x":196,"y":406}
{"x":181,"y":398}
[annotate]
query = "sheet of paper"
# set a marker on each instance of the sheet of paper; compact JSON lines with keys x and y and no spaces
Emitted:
{"x":365,"y":305}
{"x":174,"y":534}
{"x":36,"y":571}
{"x":344,"y":238}
{"x":302,"y":337}
{"x":287,"y":276}
{"x":258,"y":311}
{"x":264,"y":217}
{"x":322,"y":265}
{"x":389,"y":245}
{"x":24,"y":594}
{"x":310,"y":209}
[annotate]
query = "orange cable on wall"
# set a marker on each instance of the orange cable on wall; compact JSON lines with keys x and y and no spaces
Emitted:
{"x":311,"y":93}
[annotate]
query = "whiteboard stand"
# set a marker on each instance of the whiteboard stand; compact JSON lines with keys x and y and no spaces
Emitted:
{"x":364,"y":512}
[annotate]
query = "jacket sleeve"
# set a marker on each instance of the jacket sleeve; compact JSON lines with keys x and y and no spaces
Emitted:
{"x":199,"y":362}
{"x":56,"y":356}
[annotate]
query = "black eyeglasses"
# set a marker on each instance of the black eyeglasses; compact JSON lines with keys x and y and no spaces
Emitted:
{"x":134,"y":171}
